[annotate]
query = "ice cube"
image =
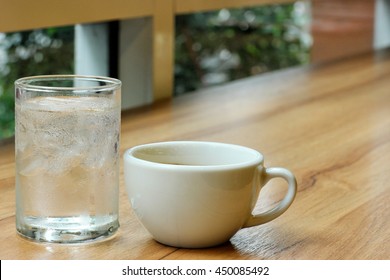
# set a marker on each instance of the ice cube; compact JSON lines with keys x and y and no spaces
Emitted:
{"x":32,"y":164}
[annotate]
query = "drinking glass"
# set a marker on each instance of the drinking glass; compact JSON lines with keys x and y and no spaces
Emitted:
{"x":67,"y":157}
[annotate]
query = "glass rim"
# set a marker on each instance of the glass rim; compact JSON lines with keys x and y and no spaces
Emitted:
{"x":26,"y":83}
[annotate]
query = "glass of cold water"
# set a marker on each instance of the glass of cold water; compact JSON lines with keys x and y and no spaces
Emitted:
{"x":67,"y":157}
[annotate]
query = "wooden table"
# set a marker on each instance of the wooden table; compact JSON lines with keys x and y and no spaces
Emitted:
{"x":329,"y":124}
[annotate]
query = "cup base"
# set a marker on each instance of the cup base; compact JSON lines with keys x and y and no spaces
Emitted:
{"x":63,"y":230}
{"x":192,"y":244}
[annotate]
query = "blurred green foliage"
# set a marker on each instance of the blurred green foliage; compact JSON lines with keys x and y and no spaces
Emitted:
{"x":225,"y":45}
{"x":30,"y":53}
{"x":211,"y":48}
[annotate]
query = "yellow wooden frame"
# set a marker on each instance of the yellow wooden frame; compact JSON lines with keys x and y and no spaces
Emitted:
{"x":16,"y":15}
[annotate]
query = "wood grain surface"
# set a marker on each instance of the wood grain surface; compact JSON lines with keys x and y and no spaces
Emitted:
{"x":329,"y":124}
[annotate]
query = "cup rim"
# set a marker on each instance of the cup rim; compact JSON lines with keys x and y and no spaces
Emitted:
{"x":255,"y":161}
{"x":27,"y":83}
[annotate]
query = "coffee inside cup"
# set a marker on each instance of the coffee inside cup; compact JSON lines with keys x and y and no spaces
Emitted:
{"x":202,"y":155}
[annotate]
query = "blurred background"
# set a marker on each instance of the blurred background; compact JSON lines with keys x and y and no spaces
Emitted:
{"x":210,"y":47}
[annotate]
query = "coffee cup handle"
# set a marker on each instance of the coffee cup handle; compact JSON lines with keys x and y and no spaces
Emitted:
{"x":267,"y":174}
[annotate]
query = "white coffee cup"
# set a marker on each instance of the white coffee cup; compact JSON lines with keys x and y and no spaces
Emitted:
{"x":199,"y":194}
